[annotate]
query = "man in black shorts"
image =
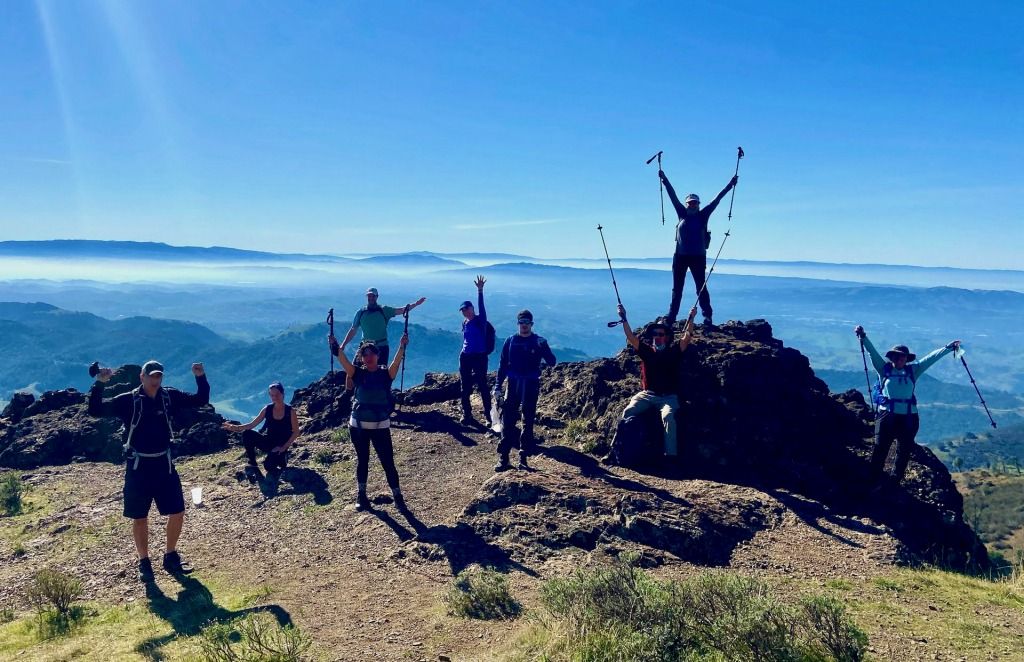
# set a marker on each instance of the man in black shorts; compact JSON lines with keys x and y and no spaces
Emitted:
{"x":149,"y":473}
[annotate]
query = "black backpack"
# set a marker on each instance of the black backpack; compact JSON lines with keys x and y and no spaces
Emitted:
{"x":490,"y":338}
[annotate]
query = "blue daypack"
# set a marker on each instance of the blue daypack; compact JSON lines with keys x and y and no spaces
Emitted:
{"x":879,"y":397}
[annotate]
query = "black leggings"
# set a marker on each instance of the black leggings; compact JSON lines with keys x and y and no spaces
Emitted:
{"x":473,"y":372}
{"x":253,"y":440}
{"x":697,"y":264}
{"x":381,"y":440}
{"x":901,"y":428}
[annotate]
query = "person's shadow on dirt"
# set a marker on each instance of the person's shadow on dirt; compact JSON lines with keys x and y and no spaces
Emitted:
{"x":299,"y":480}
{"x":461,"y":545}
{"x":193,"y":609}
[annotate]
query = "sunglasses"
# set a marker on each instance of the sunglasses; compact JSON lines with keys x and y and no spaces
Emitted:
{"x":526,"y":322}
{"x":659,"y":334}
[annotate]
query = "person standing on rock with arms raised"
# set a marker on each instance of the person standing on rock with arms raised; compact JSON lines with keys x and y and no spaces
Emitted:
{"x":149,"y":473}
{"x":372,"y":319}
{"x":660,"y":363}
{"x":370,"y":422}
{"x":476,"y":332}
{"x":521,"y":356}
{"x":691,"y":247}
{"x":897,"y":417}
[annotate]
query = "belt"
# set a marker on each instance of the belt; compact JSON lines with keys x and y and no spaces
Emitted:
{"x":137,"y":455}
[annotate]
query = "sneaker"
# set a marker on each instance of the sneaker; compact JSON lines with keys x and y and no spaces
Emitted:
{"x":503,"y":464}
{"x":174,"y":565}
{"x":145,"y":570}
{"x":522,"y":462}
{"x":469,"y":422}
{"x":362,"y":503}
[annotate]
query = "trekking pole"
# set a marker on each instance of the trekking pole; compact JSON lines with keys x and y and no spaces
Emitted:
{"x":614,"y":284}
{"x":867,"y":393}
{"x":401,"y":383}
{"x":739,"y":155}
{"x":976,"y":390}
{"x":330,"y":323}
{"x":661,"y":185}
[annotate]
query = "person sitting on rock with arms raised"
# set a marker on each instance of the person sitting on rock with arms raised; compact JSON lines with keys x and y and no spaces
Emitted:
{"x":521,"y":356}
{"x":149,"y":473}
{"x":660,"y":363}
{"x":280,"y":429}
{"x":897,"y":417}
{"x":370,"y":422}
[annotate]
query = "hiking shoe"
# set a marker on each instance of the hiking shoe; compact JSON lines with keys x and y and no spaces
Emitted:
{"x":173,"y":564}
{"x":469,"y":422}
{"x":610,"y":460}
{"x":503,"y":464}
{"x":707,"y":321}
{"x":362,"y":503}
{"x":399,"y":500}
{"x":145,"y":570}
{"x":522,"y":463}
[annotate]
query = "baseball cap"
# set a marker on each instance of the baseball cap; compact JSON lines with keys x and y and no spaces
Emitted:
{"x":152,"y":368}
{"x":373,"y":291}
{"x":692,"y":197}
{"x":465,"y":304}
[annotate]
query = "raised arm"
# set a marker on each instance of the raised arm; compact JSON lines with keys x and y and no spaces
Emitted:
{"x":630,"y":336}
{"x":684,"y":342}
{"x":116,"y":406}
{"x":929,"y":360}
{"x":876,"y":359}
{"x":193,"y":400}
{"x":409,"y":306}
{"x":680,"y":209}
{"x":339,"y":352}
{"x":710,"y":207}
{"x":480,"y":280}
{"x":396,"y":362}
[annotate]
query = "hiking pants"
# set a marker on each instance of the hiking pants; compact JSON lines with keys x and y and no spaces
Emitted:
{"x":520,"y":393}
{"x":473,"y":372}
{"x":253,"y":440}
{"x":697,"y":264}
{"x":666,"y":405}
{"x":901,"y":428}
{"x":381,"y":440}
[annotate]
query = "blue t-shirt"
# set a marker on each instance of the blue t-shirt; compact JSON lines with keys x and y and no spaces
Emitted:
{"x":474,"y":331}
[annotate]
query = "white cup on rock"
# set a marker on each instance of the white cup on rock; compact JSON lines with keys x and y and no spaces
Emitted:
{"x":197,"y":496}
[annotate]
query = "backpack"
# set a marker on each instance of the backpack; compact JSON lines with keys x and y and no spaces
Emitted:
{"x":378,"y":309}
{"x":490,"y":338}
{"x":137,"y":416}
{"x":707,"y":239}
{"x":878,"y":396}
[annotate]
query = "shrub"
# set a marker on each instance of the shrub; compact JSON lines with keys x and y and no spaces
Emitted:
{"x":52,"y":594}
{"x":10,"y":494}
{"x":575,"y":434}
{"x":323,"y":456}
{"x":482,"y":594}
{"x":256,"y":637}
{"x":620,"y":612}
{"x":341,"y":436}
{"x":6,"y":615}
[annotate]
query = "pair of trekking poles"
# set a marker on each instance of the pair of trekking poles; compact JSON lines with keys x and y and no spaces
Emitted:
{"x":963,"y":361}
{"x":739,"y":155}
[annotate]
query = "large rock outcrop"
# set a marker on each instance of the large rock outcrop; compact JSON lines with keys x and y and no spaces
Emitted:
{"x":57,"y":429}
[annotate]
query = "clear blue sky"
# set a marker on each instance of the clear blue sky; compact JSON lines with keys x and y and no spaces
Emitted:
{"x":874,"y":133}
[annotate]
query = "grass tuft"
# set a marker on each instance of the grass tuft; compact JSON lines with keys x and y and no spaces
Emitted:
{"x":253,"y":638}
{"x":482,"y":594}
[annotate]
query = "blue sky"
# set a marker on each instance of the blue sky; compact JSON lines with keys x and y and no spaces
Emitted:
{"x":873,"y":133}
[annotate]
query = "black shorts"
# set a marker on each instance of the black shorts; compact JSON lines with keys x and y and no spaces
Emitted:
{"x":151,"y":482}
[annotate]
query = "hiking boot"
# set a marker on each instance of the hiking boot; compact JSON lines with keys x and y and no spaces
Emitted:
{"x":522,"y":462}
{"x":362,"y":503}
{"x":469,"y":422}
{"x":174,"y":565}
{"x":503,"y":464}
{"x":610,"y":460}
{"x":145,"y":570}
{"x":708,"y":321}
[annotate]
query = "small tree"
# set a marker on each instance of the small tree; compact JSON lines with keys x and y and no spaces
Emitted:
{"x":11,"y":490}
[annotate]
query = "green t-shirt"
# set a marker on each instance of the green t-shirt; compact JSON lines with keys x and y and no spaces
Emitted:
{"x":374,"y":323}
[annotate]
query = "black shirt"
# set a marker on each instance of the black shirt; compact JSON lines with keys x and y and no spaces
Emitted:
{"x":151,"y":434}
{"x":659,"y":371}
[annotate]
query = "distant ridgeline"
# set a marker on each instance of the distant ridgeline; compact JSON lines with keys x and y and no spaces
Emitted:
{"x":48,"y":348}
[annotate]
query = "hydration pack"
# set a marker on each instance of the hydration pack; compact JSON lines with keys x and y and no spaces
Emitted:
{"x":878,"y":395}
{"x":490,"y":338}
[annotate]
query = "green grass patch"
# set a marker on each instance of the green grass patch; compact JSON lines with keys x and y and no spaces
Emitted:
{"x":341,"y":435}
{"x":483,"y":594}
{"x":620,"y":612}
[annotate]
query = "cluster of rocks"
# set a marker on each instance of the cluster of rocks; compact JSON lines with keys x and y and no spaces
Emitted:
{"x":57,"y":429}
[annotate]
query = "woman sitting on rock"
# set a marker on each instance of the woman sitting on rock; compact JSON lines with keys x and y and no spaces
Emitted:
{"x":280,"y":428}
{"x":897,"y":418}
{"x":370,"y":422}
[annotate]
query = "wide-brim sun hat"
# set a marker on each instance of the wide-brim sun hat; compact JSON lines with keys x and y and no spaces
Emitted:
{"x":900,"y":350}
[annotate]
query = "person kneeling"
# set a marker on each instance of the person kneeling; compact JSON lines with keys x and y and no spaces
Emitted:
{"x":659,"y":374}
{"x":280,"y":429}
